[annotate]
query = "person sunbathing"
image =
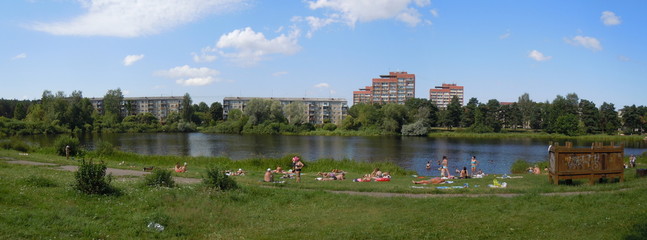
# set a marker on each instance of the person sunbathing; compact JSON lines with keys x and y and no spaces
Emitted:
{"x":179,"y":168}
{"x":435,"y":180}
{"x":279,"y":170}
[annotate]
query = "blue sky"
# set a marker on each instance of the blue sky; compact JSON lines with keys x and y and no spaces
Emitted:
{"x":213,"y":49}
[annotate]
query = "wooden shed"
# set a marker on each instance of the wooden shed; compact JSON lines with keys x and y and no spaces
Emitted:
{"x":593,"y":163}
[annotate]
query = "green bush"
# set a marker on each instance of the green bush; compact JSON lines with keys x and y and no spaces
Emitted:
{"x":105,"y":148}
{"x":91,"y":179}
{"x":520,"y":166}
{"x":218,"y":180}
{"x":159,"y":178}
{"x":38,"y":181}
{"x":64,"y":141}
{"x":15,"y":144}
{"x":329,"y":127}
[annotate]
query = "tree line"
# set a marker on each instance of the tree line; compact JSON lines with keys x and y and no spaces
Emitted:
{"x":569,"y":115}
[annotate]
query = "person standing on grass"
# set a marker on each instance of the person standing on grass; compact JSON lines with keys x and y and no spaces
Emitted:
{"x":632,"y":161}
{"x":68,"y":151}
{"x":298,"y":165}
{"x":474,"y":163}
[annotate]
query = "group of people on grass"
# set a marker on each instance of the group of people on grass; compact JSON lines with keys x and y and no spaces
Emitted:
{"x":376,"y":175}
{"x":297,"y":166}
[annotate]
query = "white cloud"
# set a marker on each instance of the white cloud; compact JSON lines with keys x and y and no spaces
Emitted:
{"x":584,"y":41}
{"x":19,"y":56}
{"x":434,"y":12}
{"x":322,"y":85}
{"x":130,"y":59}
{"x":624,"y":58}
{"x":315,"y":23}
{"x":189,"y":76}
{"x":129,"y":18}
{"x":538,"y":56}
{"x":505,"y":35}
{"x":251,"y":47}
{"x":609,"y":18}
{"x":278,"y":74}
{"x":355,"y":11}
{"x":203,"y":57}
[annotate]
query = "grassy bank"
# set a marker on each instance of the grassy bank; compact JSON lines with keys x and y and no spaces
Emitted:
{"x":39,"y":203}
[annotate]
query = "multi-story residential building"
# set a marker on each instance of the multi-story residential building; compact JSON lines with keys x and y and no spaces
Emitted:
{"x":160,"y":107}
{"x":443,"y":95}
{"x":318,"y":110}
{"x":395,"y":87}
{"x":363,"y":95}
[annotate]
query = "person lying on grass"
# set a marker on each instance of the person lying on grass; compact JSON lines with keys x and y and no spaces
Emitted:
{"x":435,"y":180}
{"x":331,"y":176}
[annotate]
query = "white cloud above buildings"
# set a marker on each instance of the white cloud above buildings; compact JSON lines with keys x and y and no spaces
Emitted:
{"x":322,"y":85}
{"x":250,"y":47}
{"x":19,"y":56}
{"x":128,"y":18}
{"x":586,"y":42}
{"x":351,"y":12}
{"x":131,"y":59}
{"x":609,"y":18}
{"x":538,"y":56}
{"x":188,"y":76}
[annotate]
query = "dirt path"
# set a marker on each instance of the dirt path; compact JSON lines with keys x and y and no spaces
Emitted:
{"x":113,"y":171}
{"x":124,"y":172}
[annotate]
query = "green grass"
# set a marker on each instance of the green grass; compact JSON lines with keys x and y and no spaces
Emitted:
{"x":39,"y":203}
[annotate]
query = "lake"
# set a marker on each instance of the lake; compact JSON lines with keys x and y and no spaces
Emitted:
{"x":495,"y":155}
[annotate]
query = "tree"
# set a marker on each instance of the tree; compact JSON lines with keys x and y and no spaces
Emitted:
{"x":454,"y":112}
{"x":567,"y":124}
{"x":527,"y":108}
{"x":467,"y":118}
{"x":112,"y":104}
{"x":262,"y":110}
{"x":365,"y":115}
{"x":609,"y":121}
{"x":395,"y":115}
{"x":491,"y":114}
{"x":295,"y":112}
{"x":20,"y":112}
{"x":186,"y":109}
{"x":215,"y":110}
{"x":631,"y":119}
{"x":589,"y":115}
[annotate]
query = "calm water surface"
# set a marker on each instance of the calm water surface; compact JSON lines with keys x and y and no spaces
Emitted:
{"x":495,"y":155}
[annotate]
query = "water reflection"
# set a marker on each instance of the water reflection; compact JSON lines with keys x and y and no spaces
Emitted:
{"x":494,"y":155}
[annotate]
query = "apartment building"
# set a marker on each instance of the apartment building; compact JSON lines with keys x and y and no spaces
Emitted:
{"x":160,"y":107}
{"x":442,"y":95}
{"x":318,"y":109}
{"x":395,"y":87}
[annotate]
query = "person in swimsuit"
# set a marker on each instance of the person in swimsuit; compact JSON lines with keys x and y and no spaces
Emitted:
{"x":428,"y":167}
{"x":474,"y":162}
{"x":435,"y":180}
{"x":298,"y":165}
{"x":444,"y":171}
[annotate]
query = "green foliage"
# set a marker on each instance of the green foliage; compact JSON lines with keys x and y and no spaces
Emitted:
{"x":159,"y":178}
{"x":61,"y":142}
{"x":519,"y":166}
{"x":105,"y":148}
{"x":329,"y":127}
{"x":567,"y":125}
{"x":15,"y":144}
{"x":91,"y":178}
{"x":217,"y":179}
{"x":418,"y":128}
{"x":39,"y":181}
